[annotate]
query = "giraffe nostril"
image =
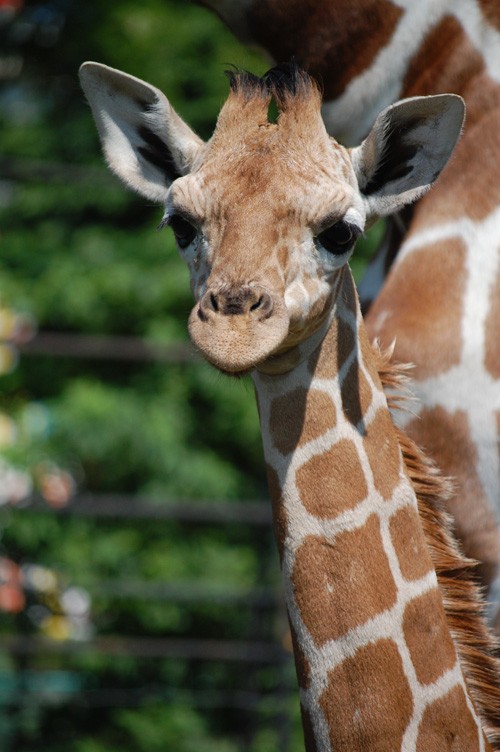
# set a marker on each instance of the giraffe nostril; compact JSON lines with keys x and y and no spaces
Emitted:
{"x":208,"y":305}
{"x":257,"y":304}
{"x":263,"y":306}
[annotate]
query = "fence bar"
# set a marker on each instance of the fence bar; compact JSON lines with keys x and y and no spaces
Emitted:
{"x":150,"y":647}
{"x":188,"y":592}
{"x":135,"y":507}
{"x":101,"y":347}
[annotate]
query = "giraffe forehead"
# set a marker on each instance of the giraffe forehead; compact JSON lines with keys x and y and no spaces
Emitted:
{"x":252,"y":189}
{"x":270,"y":163}
{"x":268,"y":159}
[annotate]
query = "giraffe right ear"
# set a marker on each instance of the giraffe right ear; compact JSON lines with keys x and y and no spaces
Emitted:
{"x":144,"y":140}
{"x":407,"y":148}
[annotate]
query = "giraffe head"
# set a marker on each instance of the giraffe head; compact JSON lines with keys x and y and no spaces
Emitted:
{"x":265,"y":213}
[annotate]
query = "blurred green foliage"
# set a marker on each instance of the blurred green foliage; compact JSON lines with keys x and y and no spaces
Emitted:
{"x":82,"y":256}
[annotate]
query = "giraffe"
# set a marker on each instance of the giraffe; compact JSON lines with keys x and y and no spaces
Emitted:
{"x":436,"y":299}
{"x":266,"y":214}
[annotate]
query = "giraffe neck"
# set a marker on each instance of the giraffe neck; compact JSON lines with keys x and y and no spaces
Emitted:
{"x":374,"y":657}
{"x":428,"y":48}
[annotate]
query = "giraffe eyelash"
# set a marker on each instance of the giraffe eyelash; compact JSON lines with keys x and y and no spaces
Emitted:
{"x":183,"y":227}
{"x":164,"y":223}
{"x":173,"y":214}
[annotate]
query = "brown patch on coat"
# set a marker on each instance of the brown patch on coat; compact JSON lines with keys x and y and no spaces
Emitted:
{"x":446,"y":437}
{"x":356,"y":395}
{"x":349,"y":292}
{"x":410,"y":308}
{"x":427,"y":637}
{"x":335,"y":41}
{"x":333,"y":352}
{"x":409,"y":544}
{"x":383,"y":452}
{"x":447,"y":724}
{"x":343,"y":583}
{"x":291,"y":424}
{"x":444,"y":62}
{"x":368,"y":702}
{"x":280,"y":517}
{"x":491,"y":11}
{"x":332,"y":482}
{"x":492,"y":331}
{"x":447,"y":61}
{"x":346,"y":342}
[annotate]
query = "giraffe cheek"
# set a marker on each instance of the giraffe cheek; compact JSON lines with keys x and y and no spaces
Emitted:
{"x":306,"y":300}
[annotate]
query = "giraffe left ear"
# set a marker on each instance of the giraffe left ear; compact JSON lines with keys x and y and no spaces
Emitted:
{"x":408,"y":146}
{"x":145,"y":141}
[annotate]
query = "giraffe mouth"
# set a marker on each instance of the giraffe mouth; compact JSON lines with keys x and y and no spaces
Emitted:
{"x":235,"y":343}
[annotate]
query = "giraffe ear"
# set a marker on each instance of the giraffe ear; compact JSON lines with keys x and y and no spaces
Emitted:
{"x":404,"y":153}
{"x":144,"y":140}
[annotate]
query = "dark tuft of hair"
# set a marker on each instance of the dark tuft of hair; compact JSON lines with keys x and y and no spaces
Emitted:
{"x":246,"y":84}
{"x":288,"y":80}
{"x":284,"y":81}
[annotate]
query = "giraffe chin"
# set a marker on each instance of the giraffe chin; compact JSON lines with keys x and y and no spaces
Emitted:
{"x":236,"y":344}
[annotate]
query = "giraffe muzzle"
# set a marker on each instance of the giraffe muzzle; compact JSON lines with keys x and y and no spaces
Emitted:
{"x":237,"y":327}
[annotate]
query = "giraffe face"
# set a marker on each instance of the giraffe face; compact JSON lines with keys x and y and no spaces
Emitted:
{"x":264,"y":224}
{"x":266,"y":213}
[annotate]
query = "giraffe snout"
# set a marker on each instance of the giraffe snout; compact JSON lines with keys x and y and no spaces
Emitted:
{"x":238,"y":326}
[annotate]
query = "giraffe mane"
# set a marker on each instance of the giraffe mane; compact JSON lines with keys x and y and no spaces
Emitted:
{"x":478,"y":650}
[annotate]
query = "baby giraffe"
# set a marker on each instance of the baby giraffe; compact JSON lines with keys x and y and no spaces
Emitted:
{"x":390,"y":647}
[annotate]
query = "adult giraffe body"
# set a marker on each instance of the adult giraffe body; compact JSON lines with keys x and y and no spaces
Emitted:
{"x":382,"y":665}
{"x":441,"y":300}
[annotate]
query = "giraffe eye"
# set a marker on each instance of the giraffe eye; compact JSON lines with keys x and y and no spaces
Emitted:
{"x":183,"y":230}
{"x":339,"y":238}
